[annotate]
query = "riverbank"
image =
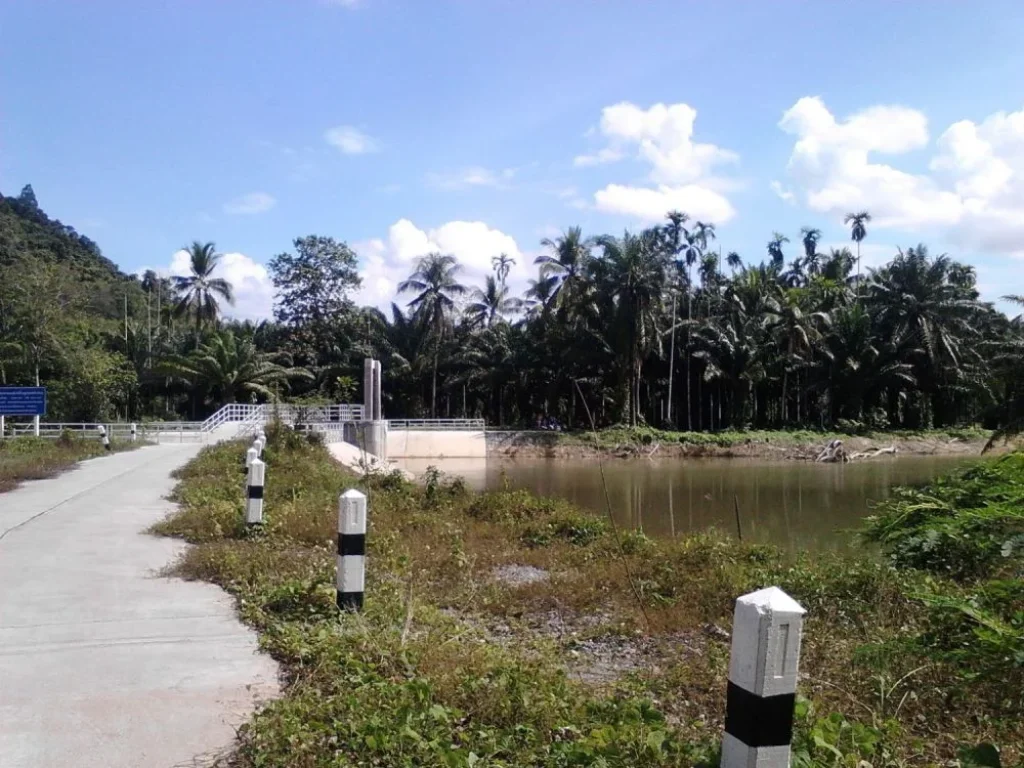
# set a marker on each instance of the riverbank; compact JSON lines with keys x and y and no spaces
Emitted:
{"x":796,"y":445}
{"x":32,"y":458}
{"x":504,"y":629}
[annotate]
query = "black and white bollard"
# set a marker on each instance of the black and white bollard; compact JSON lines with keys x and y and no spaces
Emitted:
{"x":104,"y":437}
{"x":254,"y":493}
{"x":258,"y":445}
{"x":351,"y":550}
{"x":251,"y":455}
{"x":135,"y":434}
{"x":763,"y":670}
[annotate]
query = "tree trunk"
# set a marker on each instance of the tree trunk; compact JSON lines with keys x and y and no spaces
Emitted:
{"x":671,"y":362}
{"x":433,"y":392}
{"x":689,"y":319}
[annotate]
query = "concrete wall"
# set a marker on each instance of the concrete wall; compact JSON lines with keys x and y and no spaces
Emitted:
{"x":428,"y":444}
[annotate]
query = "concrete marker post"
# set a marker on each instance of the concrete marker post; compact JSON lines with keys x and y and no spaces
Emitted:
{"x":763,"y":671}
{"x":135,"y":434}
{"x":258,"y":445}
{"x":250,"y":456}
{"x":351,"y":550}
{"x":104,"y":438}
{"x":254,"y":493}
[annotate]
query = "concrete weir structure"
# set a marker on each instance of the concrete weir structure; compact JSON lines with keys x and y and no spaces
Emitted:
{"x":381,"y":440}
{"x":371,"y":434}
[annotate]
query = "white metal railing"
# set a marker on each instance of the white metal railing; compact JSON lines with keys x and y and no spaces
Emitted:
{"x":246,"y":415}
{"x":437,"y":424}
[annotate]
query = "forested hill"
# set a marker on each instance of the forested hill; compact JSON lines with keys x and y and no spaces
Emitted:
{"x":62,"y":309}
{"x":29,"y":237}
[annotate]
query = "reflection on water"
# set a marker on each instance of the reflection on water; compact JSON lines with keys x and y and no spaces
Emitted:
{"x":794,"y":504}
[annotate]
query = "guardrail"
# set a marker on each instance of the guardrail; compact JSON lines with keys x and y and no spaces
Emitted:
{"x":476,"y":425}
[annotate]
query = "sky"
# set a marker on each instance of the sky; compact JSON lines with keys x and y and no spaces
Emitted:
{"x":477,"y":127}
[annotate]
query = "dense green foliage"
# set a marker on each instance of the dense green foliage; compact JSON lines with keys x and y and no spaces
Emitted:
{"x":452,"y":665}
{"x":653,"y":328}
{"x":968,"y":527}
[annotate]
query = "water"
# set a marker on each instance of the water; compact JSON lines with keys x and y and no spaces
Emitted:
{"x":798,"y":505}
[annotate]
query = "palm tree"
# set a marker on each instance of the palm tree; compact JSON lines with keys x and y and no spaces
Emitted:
{"x":567,"y":262}
{"x":775,"y":251}
{"x":436,"y":287}
{"x":676,"y":239}
{"x":858,"y":365}
{"x":232,"y":369}
{"x":502,"y":266}
{"x":858,"y":231}
{"x":540,"y":296}
{"x":796,"y":331}
{"x":198,"y":292}
{"x":1008,"y":363}
{"x":734,"y":261}
{"x":919,"y":298}
{"x":490,"y":303}
{"x":810,"y":236}
{"x":632,"y":271}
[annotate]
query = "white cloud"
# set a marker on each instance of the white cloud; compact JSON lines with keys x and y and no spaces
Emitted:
{"x":682,"y":170}
{"x":472,"y":176}
{"x":350,"y":140}
{"x":786,"y":195}
{"x":252,"y":203}
{"x":973,"y":193}
{"x":651,"y":205}
{"x":385,"y":262}
{"x":250,"y":280}
{"x":602,"y":156}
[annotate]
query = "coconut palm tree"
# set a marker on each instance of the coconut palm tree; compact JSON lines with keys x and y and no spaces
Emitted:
{"x":502,"y":266}
{"x":567,"y":263}
{"x":436,"y":286}
{"x":490,"y":303}
{"x":734,"y":261}
{"x":858,"y":231}
{"x":632,"y":273}
{"x":198,"y":292}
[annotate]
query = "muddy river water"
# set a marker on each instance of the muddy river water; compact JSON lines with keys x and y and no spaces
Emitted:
{"x":794,"y":504}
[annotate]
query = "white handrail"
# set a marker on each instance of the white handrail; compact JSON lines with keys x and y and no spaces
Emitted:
{"x":437,"y":424}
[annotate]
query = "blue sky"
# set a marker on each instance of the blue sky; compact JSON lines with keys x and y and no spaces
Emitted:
{"x":476,"y":126}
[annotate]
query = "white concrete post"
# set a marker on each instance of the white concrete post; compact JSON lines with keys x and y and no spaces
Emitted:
{"x":2,"y":434}
{"x":763,"y":670}
{"x":250,"y":456}
{"x":254,"y":493}
{"x":377,"y":398}
{"x":351,"y":550}
{"x":258,"y":446}
{"x":35,"y":425}
{"x":135,"y":434}
{"x":104,"y":438}
{"x":368,"y":389}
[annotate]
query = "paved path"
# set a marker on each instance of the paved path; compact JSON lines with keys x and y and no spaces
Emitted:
{"x":102,"y":662}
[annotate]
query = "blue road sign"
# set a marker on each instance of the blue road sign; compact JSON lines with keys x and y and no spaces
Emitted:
{"x":23,"y":401}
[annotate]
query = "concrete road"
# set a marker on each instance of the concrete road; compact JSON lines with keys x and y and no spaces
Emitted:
{"x":103,"y":662}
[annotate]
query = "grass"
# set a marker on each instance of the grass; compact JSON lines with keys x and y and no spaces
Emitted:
{"x":617,"y":658}
{"x":31,"y":458}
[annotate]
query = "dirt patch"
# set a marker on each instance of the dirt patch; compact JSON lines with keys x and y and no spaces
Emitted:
{"x":518,"y":575}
